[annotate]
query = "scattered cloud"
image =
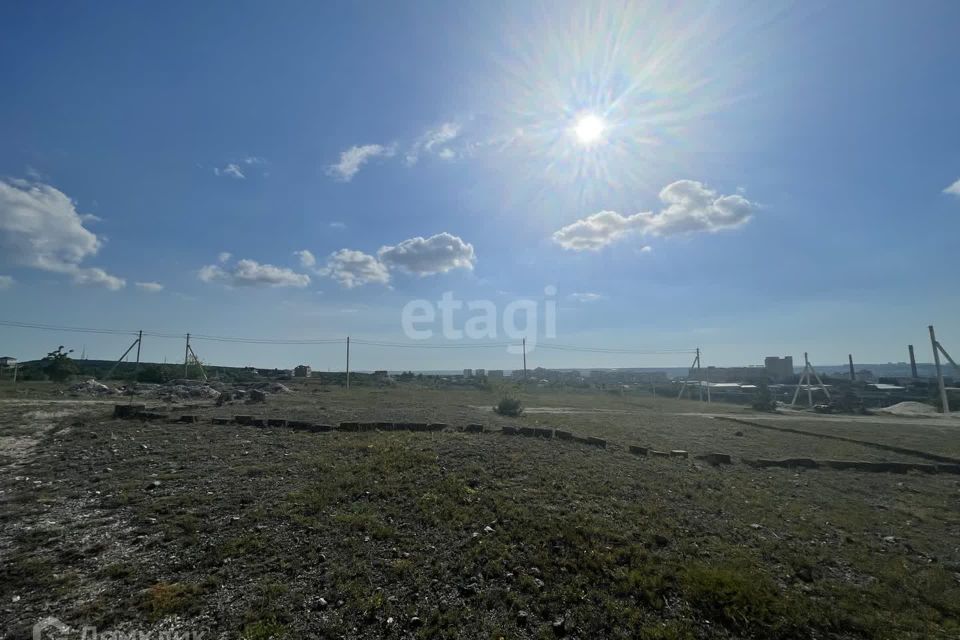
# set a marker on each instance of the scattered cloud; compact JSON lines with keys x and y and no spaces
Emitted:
{"x":596,"y":231}
{"x":306,"y":258}
{"x":585,"y":297}
{"x":152,"y":287}
{"x":426,"y":256}
{"x":40,"y":228}
{"x":97,"y":277}
{"x":232,"y":170}
{"x":690,"y":207}
{"x":435,"y":141}
{"x":224,"y":257}
{"x":6,"y":282}
{"x":355,"y":268}
{"x":355,"y":157}
{"x":953,"y":189}
{"x":338,"y":225}
{"x":249,"y":273}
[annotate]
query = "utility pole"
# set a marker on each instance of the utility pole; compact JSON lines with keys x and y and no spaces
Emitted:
{"x":699,"y":378}
{"x":936,"y":362}
{"x":139,"y":340}
{"x":136,"y":343}
{"x":808,"y":370}
{"x":853,"y":374}
{"x":708,"y":384}
{"x":524,"y":358}
{"x":348,"y":362}
{"x":186,"y":358}
{"x":913,"y":361}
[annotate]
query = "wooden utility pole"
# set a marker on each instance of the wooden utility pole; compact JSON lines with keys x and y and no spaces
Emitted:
{"x":136,"y":343}
{"x":348,"y":362}
{"x":186,"y":359}
{"x":936,"y":363}
{"x":696,"y":364}
{"x":853,"y":374}
{"x":524,"y":358}
{"x":139,"y":341}
{"x":708,"y":385}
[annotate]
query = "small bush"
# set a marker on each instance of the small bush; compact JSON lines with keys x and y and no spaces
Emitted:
{"x":763,"y":400}
{"x":509,"y":407}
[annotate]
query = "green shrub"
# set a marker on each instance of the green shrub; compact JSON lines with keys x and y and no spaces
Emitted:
{"x":763,"y":400}
{"x":509,"y":407}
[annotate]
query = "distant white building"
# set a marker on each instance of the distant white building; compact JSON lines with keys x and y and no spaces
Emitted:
{"x":7,"y":361}
{"x":480,"y":373}
{"x":468,"y":373}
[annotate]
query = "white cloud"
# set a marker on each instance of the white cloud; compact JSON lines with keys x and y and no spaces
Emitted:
{"x":152,"y":287}
{"x":249,"y":273}
{"x":426,"y":256}
{"x":306,"y":258}
{"x":6,"y":282}
{"x":338,"y":225}
{"x":597,"y":231}
{"x":41,"y":228}
{"x":355,"y":157}
{"x":690,"y":207}
{"x":232,"y":170}
{"x":97,"y":277}
{"x":953,"y":189}
{"x":585,"y":297}
{"x":355,"y":268}
{"x":224,"y":257}
{"x":435,"y":141}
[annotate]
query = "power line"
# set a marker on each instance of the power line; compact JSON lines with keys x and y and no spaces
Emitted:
{"x":644,"y":352}
{"x":334,"y":341}
{"x":50,"y":327}
{"x":407,"y":345}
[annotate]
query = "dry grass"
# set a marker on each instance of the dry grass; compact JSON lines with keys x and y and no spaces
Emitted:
{"x":249,"y":528}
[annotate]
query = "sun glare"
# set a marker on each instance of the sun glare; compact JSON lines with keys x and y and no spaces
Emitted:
{"x":589,"y":129}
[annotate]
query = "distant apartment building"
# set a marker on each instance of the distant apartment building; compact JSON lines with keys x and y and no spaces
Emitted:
{"x":778,"y":369}
{"x":303,"y":371}
{"x":468,"y":373}
{"x":495,"y":373}
{"x":480,"y":373}
{"x":7,"y":361}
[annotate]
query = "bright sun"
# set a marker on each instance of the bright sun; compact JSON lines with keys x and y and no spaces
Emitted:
{"x":588,"y":129}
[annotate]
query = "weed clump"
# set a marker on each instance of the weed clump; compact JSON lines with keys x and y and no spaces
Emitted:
{"x":509,"y":407}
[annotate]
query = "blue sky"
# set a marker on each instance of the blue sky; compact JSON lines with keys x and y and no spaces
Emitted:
{"x":749,"y":178}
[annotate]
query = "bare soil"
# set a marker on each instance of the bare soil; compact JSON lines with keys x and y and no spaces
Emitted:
{"x":242,"y":531}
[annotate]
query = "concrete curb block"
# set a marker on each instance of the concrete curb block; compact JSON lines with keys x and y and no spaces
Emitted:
{"x":715,"y":458}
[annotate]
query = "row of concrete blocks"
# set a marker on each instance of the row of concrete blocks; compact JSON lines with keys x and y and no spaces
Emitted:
{"x":856,"y":465}
{"x":711,"y":458}
{"x":559,"y":434}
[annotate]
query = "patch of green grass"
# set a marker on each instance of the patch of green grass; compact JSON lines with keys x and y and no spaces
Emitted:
{"x":266,"y":629}
{"x":164,"y":598}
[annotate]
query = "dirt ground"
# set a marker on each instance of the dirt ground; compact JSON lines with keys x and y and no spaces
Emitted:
{"x":241,"y":531}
